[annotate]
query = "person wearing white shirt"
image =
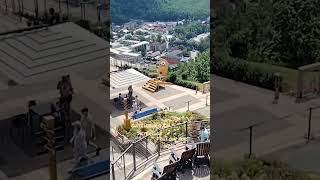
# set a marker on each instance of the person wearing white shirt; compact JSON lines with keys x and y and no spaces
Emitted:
{"x":89,"y":127}
{"x":79,"y":142}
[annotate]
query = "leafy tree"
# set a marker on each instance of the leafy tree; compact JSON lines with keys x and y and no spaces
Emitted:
{"x":158,"y":37}
{"x":297,"y":32}
{"x":122,"y":11}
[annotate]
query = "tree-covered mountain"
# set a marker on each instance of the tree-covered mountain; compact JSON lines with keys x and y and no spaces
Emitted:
{"x":158,"y":10}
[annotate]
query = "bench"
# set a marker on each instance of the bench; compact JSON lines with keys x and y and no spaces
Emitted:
{"x":202,"y":154}
{"x":91,"y":170}
{"x":186,"y":160}
{"x":144,"y":113}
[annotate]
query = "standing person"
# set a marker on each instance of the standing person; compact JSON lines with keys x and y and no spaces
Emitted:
{"x":66,"y":91}
{"x":138,"y":103}
{"x":204,"y":134}
{"x":89,"y":127}
{"x":130,"y":94}
{"x":134,"y":107}
{"x":79,"y":143}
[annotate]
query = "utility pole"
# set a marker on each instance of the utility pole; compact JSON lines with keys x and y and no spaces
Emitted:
{"x":48,"y":124}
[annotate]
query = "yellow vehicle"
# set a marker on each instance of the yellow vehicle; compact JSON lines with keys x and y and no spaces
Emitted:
{"x":154,"y":84}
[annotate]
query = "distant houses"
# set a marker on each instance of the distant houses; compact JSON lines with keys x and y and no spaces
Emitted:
{"x":145,"y":42}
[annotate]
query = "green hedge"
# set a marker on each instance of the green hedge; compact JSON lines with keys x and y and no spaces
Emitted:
{"x":187,"y":84}
{"x":243,"y":71}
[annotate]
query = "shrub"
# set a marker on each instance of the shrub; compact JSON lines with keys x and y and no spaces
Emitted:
{"x":187,"y":84}
{"x":172,"y":77}
{"x":153,"y":75}
{"x":244,"y":71}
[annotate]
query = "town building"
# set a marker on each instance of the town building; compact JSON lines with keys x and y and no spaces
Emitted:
{"x":157,"y":46}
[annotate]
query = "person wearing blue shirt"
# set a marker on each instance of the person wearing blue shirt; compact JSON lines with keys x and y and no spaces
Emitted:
{"x":204,"y":135}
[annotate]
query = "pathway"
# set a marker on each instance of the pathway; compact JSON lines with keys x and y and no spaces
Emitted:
{"x":239,"y":105}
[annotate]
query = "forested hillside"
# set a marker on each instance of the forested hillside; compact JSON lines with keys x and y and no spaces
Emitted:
{"x":158,"y":10}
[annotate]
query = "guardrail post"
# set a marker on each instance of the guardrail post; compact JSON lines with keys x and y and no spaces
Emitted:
{"x":309,"y":124}
{"x":124,"y":166}
{"x":186,"y":129}
{"x":113,"y":176}
{"x":159,"y":147}
{"x":147,"y":147}
{"x":134,"y":156}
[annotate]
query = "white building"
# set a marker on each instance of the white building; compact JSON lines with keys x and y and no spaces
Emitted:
{"x":137,"y":47}
{"x":193,"y":54}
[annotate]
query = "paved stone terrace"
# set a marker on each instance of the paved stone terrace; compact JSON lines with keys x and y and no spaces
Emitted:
{"x":283,"y":125}
{"x":174,"y":96}
{"x":88,"y":92}
{"x":34,"y":55}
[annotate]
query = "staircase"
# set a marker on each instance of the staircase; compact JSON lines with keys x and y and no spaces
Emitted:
{"x":151,"y":85}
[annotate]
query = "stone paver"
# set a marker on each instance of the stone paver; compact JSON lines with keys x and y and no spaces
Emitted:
{"x":285,"y":123}
{"x":302,"y":156}
{"x":87,"y":93}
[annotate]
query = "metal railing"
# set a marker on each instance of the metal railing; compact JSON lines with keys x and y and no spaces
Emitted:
{"x":147,"y":148}
{"x":136,"y":154}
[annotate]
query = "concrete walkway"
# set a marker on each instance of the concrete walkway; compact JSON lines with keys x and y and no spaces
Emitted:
{"x":87,"y":93}
{"x":239,"y":105}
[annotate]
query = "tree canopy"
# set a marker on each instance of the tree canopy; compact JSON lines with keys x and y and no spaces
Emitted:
{"x":282,"y":32}
{"x":158,"y":10}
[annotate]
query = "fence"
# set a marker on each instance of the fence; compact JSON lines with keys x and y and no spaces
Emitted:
{"x":147,"y":148}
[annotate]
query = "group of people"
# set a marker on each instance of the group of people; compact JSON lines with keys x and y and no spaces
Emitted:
{"x":83,"y":130}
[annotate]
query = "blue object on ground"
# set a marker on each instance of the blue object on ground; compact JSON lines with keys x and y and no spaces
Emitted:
{"x":144,"y":113}
{"x":91,"y":170}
